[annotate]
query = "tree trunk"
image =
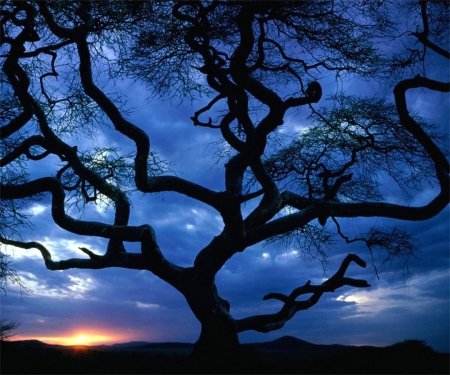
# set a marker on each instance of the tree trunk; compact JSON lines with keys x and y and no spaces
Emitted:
{"x":217,"y":350}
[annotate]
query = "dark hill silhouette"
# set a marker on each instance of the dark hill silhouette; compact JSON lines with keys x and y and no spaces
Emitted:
{"x":29,"y":343}
{"x":291,"y":343}
{"x":284,"y":355}
{"x":169,"y":345}
{"x":131,"y":344}
{"x":284,"y":343}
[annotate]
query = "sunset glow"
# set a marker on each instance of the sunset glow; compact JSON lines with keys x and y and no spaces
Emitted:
{"x":81,"y":338}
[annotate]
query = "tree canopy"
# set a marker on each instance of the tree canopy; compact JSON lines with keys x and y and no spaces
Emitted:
{"x":248,"y":68}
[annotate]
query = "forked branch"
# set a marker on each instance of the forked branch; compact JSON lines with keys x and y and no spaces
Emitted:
{"x":270,"y":322}
{"x":133,"y":261}
{"x":150,"y":258}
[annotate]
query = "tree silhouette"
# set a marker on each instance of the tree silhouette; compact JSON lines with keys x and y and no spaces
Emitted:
{"x":9,"y":275}
{"x":256,"y":62}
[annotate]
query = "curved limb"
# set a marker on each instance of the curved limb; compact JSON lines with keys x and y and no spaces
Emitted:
{"x":150,"y":258}
{"x":208,"y":124}
{"x":423,"y":36}
{"x":143,"y":182}
{"x":25,"y":149}
{"x":270,"y":322}
{"x":87,"y":228}
{"x":441,"y":163}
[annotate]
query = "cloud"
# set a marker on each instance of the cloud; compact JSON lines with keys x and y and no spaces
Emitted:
{"x":413,"y":296}
{"x":36,"y":209}
{"x":147,"y":305}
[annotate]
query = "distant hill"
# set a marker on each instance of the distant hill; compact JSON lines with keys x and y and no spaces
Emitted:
{"x":28,"y":343}
{"x":169,"y":345}
{"x":283,"y":343}
{"x":152,"y":345}
{"x":131,"y":344}
{"x":291,"y":343}
{"x":287,"y":354}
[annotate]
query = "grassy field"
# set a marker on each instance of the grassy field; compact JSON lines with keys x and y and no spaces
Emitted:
{"x":34,"y":357}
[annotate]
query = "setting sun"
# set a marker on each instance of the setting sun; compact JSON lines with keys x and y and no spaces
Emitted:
{"x":79,"y":338}
{"x":86,"y":339}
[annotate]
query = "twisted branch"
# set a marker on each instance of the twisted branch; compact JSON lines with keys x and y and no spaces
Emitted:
{"x":270,"y":322}
{"x":150,"y":258}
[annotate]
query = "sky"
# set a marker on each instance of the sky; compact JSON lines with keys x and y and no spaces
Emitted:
{"x":118,"y":305}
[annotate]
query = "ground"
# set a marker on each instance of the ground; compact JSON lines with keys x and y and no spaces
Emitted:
{"x":285,"y":355}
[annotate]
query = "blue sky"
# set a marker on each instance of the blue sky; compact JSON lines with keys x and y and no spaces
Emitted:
{"x":117,"y":305}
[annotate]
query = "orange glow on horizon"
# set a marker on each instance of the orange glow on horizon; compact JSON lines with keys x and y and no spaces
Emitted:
{"x":81,"y":337}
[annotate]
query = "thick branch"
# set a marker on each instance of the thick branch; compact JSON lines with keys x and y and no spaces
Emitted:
{"x":272,"y":200}
{"x":123,"y":126}
{"x":143,"y":182}
{"x":95,"y":261}
{"x":338,"y":209}
{"x":132,"y":261}
{"x":423,"y":36}
{"x":24,"y":148}
{"x":87,"y":228}
{"x":208,"y":124}
{"x":227,"y":134}
{"x":270,"y":322}
{"x":426,"y":42}
{"x":60,"y":31}
{"x":20,"y":82}
{"x":150,"y":259}
{"x":441,"y":163}
{"x":314,"y":94}
{"x":238,"y":68}
{"x":190,"y":189}
{"x":17,"y":123}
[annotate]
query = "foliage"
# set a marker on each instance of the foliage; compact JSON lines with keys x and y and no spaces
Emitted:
{"x":8,"y":274}
{"x":7,"y":328}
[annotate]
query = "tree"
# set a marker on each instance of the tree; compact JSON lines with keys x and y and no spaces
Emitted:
{"x":8,"y":274}
{"x":257,"y":63}
{"x":7,"y":329}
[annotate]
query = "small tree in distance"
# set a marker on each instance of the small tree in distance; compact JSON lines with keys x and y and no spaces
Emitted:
{"x":9,"y":275}
{"x":7,"y":329}
{"x":256,"y":62}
